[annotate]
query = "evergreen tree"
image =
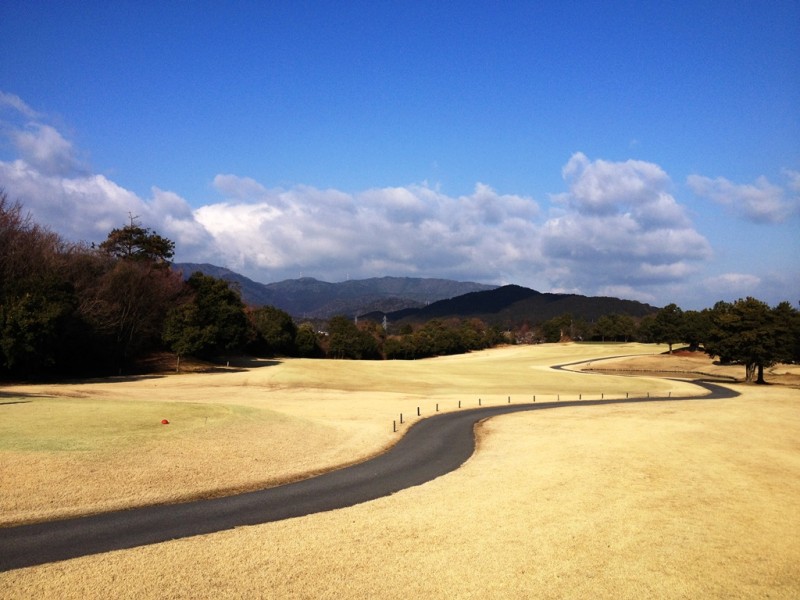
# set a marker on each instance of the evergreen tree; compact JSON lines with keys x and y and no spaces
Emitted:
{"x":306,"y":341}
{"x":696,"y":326}
{"x":133,"y":242}
{"x":212,"y":322}
{"x":346,"y":340}
{"x":749,"y":333}
{"x":667,"y":327}
{"x":275,"y":331}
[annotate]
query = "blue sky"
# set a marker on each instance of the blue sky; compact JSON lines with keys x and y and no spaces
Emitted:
{"x":638,"y":149}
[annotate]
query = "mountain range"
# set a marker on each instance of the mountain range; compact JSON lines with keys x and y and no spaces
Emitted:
{"x":314,"y":299}
{"x":409,"y":299}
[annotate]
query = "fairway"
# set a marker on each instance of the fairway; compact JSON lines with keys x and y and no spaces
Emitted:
{"x":684,"y":499}
{"x":80,"y":448}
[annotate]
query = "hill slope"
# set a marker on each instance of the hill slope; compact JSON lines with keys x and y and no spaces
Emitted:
{"x":513,"y":305}
{"x":311,"y":298}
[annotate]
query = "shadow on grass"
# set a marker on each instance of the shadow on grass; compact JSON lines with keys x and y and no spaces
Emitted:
{"x":237,"y":365}
{"x":248,"y":362}
{"x":7,"y":397}
{"x":146,"y":371}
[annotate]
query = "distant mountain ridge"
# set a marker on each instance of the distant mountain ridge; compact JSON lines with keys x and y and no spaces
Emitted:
{"x":512,"y":305}
{"x":311,"y":298}
{"x":416,"y":300}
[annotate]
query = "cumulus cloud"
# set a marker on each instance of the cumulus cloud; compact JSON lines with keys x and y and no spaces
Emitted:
{"x":45,"y":149}
{"x":633,"y":187}
{"x":620,"y":226}
{"x":87,"y":207}
{"x":616,"y":230}
{"x":412,"y":230}
{"x":271,"y":234}
{"x":759,"y":202}
{"x":60,"y":192}
{"x":39,"y":144}
{"x":240,"y":188}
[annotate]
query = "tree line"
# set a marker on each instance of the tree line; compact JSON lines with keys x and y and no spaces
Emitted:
{"x":747,"y":332}
{"x":76,"y":309}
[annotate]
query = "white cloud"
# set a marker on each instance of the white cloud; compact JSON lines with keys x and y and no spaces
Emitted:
{"x":16,"y":103}
{"x":619,"y":226}
{"x":733,"y":285}
{"x":240,"y":188}
{"x":617,"y":230}
{"x":175,"y":218}
{"x":603,"y":187}
{"x":793,"y":180}
{"x":87,"y":207}
{"x":413,"y":230}
{"x":628,"y":292}
{"x":400,"y":204}
{"x":37,"y":143}
{"x":760,"y":202}
{"x":45,"y":149}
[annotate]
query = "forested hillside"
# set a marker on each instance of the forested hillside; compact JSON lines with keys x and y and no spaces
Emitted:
{"x":511,"y":306}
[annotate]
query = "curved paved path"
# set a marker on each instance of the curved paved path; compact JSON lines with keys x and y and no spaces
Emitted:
{"x":431,"y":447}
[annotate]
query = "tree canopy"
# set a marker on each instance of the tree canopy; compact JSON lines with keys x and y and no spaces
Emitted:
{"x":211,"y":322}
{"x":274,"y":332}
{"x":750,"y":333}
{"x":667,"y":327}
{"x":346,"y":340}
{"x":75,"y":309}
{"x":133,"y":242}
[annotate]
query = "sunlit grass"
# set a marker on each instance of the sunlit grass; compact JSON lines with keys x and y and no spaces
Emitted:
{"x":79,"y":448}
{"x":75,"y":425}
{"x":677,"y":500}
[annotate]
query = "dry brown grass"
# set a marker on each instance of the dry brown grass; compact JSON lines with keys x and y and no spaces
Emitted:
{"x":675,"y":500}
{"x":682,"y":362}
{"x":77,"y":448}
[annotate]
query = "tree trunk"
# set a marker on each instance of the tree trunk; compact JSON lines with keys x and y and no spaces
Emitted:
{"x":750,"y":370}
{"x":760,"y":374}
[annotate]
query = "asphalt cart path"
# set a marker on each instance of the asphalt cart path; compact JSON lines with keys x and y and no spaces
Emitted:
{"x":432,"y":447}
